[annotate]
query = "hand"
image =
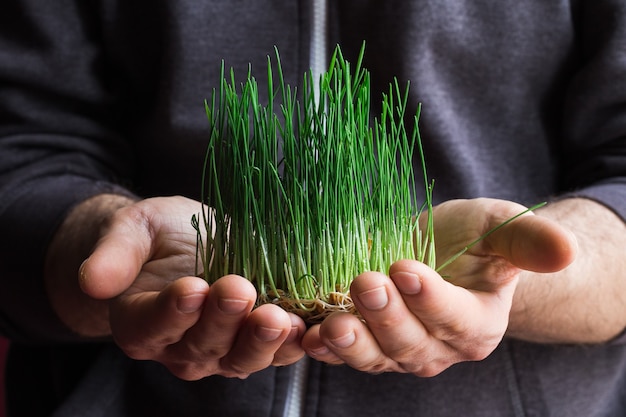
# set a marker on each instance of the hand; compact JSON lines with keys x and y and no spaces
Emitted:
{"x":418,"y":322}
{"x":158,"y":310}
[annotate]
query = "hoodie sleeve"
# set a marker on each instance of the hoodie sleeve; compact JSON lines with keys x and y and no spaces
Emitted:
{"x":59,"y":144}
{"x":594,"y":146}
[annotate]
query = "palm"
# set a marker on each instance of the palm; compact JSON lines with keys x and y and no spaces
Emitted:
{"x":528,"y":243}
{"x":461,"y":222}
{"x":173,"y":256}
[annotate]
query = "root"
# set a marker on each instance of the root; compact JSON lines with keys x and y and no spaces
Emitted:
{"x":315,"y":310}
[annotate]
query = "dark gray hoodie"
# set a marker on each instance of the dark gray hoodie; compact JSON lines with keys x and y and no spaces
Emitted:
{"x":522,"y":100}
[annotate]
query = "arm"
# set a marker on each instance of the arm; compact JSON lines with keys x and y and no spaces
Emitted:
{"x":584,"y":303}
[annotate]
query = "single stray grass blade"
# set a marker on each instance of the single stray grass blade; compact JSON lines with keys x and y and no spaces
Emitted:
{"x":498,"y":227}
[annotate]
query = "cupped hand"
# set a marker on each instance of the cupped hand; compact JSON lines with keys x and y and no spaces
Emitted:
{"x":159,"y":311}
{"x":416,"y":321}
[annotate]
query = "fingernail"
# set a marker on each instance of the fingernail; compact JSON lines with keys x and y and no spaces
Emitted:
{"x":407,"y":283}
{"x":320,"y":351}
{"x":190,"y":303}
{"x":267,"y":334}
{"x":81,"y":270}
{"x":232,"y":305}
{"x":82,"y":274}
{"x":293,"y":335}
{"x":375,"y":299}
{"x":344,"y":341}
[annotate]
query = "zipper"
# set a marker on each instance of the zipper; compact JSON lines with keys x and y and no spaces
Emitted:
{"x":318,"y":46}
{"x":296,"y":391}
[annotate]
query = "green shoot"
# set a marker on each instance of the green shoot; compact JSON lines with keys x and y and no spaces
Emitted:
{"x":303,"y":193}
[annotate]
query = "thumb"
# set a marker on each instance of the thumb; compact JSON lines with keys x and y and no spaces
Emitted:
{"x":535,"y":243}
{"x":117,"y":259}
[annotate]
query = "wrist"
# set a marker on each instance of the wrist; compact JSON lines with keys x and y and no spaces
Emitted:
{"x":581,"y":303}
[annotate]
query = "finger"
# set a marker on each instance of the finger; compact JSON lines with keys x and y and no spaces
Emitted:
{"x":414,"y":342}
{"x":230,"y":300}
{"x":534,"y":243}
{"x":144,"y":324}
{"x":473,"y":322}
{"x":291,"y":350}
{"x":316,"y":348}
{"x":264,"y":331}
{"x":350,"y":340}
{"x":118,"y":256}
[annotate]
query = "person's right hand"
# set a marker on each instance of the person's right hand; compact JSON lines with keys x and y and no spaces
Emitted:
{"x":144,"y":264}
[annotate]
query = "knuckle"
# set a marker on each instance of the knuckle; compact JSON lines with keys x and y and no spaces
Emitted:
{"x":477,"y":348}
{"x":198,"y":353}
{"x":427,"y":358}
{"x":377,"y":368}
{"x":374,"y":365}
{"x":139,"y":352}
{"x":477,"y":353}
{"x":240,"y":369}
{"x":206,"y":353}
{"x":408,"y":353}
{"x":452,"y":330}
{"x":386,"y":322}
{"x":430,"y":370}
{"x":190,"y":371}
{"x":432,"y":367}
{"x":287,"y":359}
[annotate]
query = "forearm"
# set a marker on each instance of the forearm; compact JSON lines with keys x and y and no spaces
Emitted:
{"x":71,"y":245}
{"x":584,"y":303}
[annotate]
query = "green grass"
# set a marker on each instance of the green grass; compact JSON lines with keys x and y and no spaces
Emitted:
{"x":306,"y":191}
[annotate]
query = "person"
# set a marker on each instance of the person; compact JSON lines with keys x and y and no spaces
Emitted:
{"x":102,"y":136}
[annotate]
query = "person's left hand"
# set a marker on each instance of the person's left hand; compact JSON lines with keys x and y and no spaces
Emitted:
{"x":415,"y":321}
